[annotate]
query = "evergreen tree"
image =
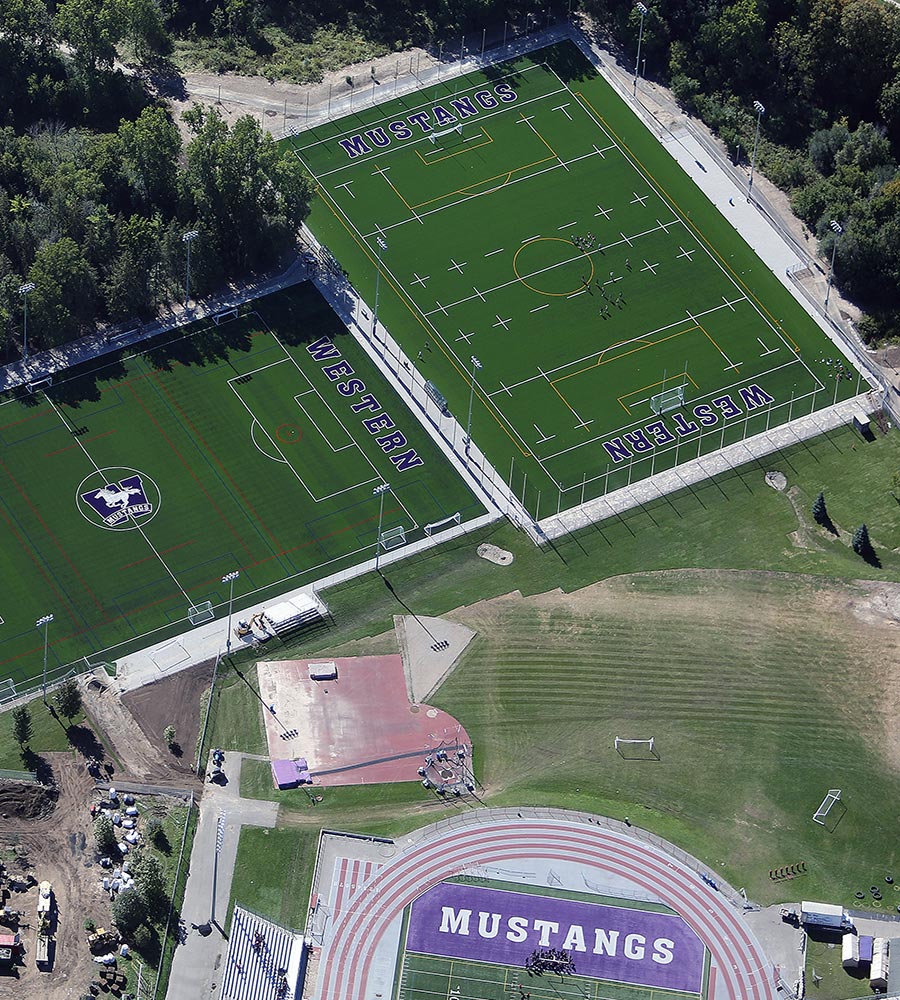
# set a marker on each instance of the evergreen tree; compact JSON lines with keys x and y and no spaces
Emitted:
{"x":819,"y":510}
{"x":860,"y":543}
{"x":129,"y":911}
{"x":22,"y":727}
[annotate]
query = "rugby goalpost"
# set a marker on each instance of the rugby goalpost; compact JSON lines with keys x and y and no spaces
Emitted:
{"x":637,"y":749}
{"x":834,"y":795}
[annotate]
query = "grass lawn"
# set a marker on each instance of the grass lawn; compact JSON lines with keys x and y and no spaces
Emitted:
{"x":826,"y":978}
{"x":273,"y":873}
{"x":49,"y":735}
{"x":235,"y":721}
{"x":524,"y":218}
{"x":233,"y":447}
{"x":755,"y":687}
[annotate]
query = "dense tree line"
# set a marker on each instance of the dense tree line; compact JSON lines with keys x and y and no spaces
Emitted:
{"x":828,"y":75}
{"x":97,"y":188}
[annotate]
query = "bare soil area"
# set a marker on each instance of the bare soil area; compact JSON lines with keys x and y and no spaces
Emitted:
{"x":56,"y":845}
{"x":172,"y":701}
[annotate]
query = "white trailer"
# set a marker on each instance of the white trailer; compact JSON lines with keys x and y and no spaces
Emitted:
{"x":824,"y":915}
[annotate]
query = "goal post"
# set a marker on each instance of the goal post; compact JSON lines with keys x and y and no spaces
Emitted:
{"x":637,"y":749}
{"x":393,"y":538}
{"x":198,"y":614}
{"x":834,"y":795}
{"x":429,"y":529}
{"x":668,"y":399}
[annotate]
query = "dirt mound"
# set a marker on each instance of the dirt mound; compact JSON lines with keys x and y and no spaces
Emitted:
{"x":25,"y":800}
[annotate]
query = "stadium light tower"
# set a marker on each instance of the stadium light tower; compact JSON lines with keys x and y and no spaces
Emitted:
{"x":379,"y":492}
{"x":643,"y":11}
{"x":382,"y":246}
{"x":188,"y":238}
{"x":24,"y":291}
{"x":476,"y":367}
{"x":760,"y":111}
{"x":837,"y":229}
{"x":44,"y":623}
{"x":229,"y":578}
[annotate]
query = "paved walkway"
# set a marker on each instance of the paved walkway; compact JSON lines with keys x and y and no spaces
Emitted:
{"x":197,"y":970}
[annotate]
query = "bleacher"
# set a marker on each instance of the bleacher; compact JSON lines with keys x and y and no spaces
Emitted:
{"x":264,"y":960}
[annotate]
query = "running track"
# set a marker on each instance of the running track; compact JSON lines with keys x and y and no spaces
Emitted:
{"x":740,"y":970}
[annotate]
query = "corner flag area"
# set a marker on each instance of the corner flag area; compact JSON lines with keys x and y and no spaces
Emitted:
{"x":523,"y":218}
{"x":132,"y":488}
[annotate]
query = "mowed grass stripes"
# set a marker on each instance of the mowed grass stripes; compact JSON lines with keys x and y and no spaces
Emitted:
{"x":761,"y":692}
{"x":128,"y":490}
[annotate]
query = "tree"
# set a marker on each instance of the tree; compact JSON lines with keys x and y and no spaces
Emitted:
{"x":92,"y":28}
{"x":22,"y":727}
{"x":65,"y":292}
{"x":862,"y":545}
{"x":169,"y":735}
{"x":68,"y":698}
{"x":133,"y":285}
{"x":151,"y":146}
{"x":105,"y":835}
{"x":145,"y":29}
{"x":129,"y":910}
{"x":149,"y":880}
{"x":819,"y":510}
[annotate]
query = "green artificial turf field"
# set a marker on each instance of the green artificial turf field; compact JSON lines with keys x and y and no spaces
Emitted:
{"x":430,"y":977}
{"x":523,"y":219}
{"x":132,"y":488}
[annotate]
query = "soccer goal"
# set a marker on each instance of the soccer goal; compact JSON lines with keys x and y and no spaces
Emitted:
{"x":668,"y":399}
{"x":433,"y":138}
{"x":200,"y":613}
{"x":632,"y":749}
{"x":834,"y":795}
{"x":435,"y":525}
{"x":393,"y":538}
{"x":225,"y":314}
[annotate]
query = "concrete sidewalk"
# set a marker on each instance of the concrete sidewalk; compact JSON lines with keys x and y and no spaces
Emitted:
{"x":197,"y":964}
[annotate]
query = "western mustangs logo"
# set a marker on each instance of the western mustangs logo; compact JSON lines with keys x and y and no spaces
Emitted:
{"x":439,"y":117}
{"x":118,"y":498}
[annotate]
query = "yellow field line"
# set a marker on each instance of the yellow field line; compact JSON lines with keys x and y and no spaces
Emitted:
{"x":432,"y":332}
{"x":383,"y":173}
{"x":686,"y":219}
{"x":459,"y":152}
{"x":467,"y":190}
{"x":651,"y":385}
{"x":731,"y":364}
{"x":618,"y":357}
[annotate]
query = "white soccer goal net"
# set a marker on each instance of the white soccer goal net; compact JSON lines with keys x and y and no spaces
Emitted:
{"x":435,"y":525}
{"x":393,"y":538}
{"x":669,"y":399}
{"x":636,"y":749}
{"x":834,"y":795}
{"x":200,"y":613}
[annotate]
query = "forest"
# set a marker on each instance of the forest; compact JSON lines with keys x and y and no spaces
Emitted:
{"x":98,"y":187}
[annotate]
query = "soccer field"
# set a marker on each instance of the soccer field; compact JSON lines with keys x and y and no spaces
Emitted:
{"x":527,"y":235}
{"x":132,"y":488}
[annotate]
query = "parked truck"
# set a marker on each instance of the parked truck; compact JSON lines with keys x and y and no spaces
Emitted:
{"x":824,"y":915}
{"x":44,"y":910}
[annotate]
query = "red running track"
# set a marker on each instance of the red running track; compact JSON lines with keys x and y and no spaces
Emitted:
{"x":740,"y":969}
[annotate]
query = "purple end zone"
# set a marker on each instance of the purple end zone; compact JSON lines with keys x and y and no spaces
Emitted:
{"x":605,"y":942}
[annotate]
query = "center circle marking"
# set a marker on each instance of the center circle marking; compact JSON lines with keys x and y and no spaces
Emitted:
{"x":581,"y":261}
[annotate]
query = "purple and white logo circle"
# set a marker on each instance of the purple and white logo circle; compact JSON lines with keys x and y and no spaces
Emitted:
{"x":117,"y":498}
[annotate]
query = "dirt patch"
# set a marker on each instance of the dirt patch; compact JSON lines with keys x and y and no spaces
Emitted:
{"x":57,"y":846}
{"x":172,"y":701}
{"x":26,"y":801}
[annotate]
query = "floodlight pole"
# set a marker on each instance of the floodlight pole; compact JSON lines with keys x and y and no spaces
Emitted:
{"x":382,"y":245}
{"x":23,"y":291}
{"x":837,"y":229}
{"x":188,"y":238}
{"x":379,"y":492}
{"x":229,"y":578}
{"x":476,"y":367}
{"x":643,"y":11}
{"x":760,"y":111}
{"x":45,"y":624}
